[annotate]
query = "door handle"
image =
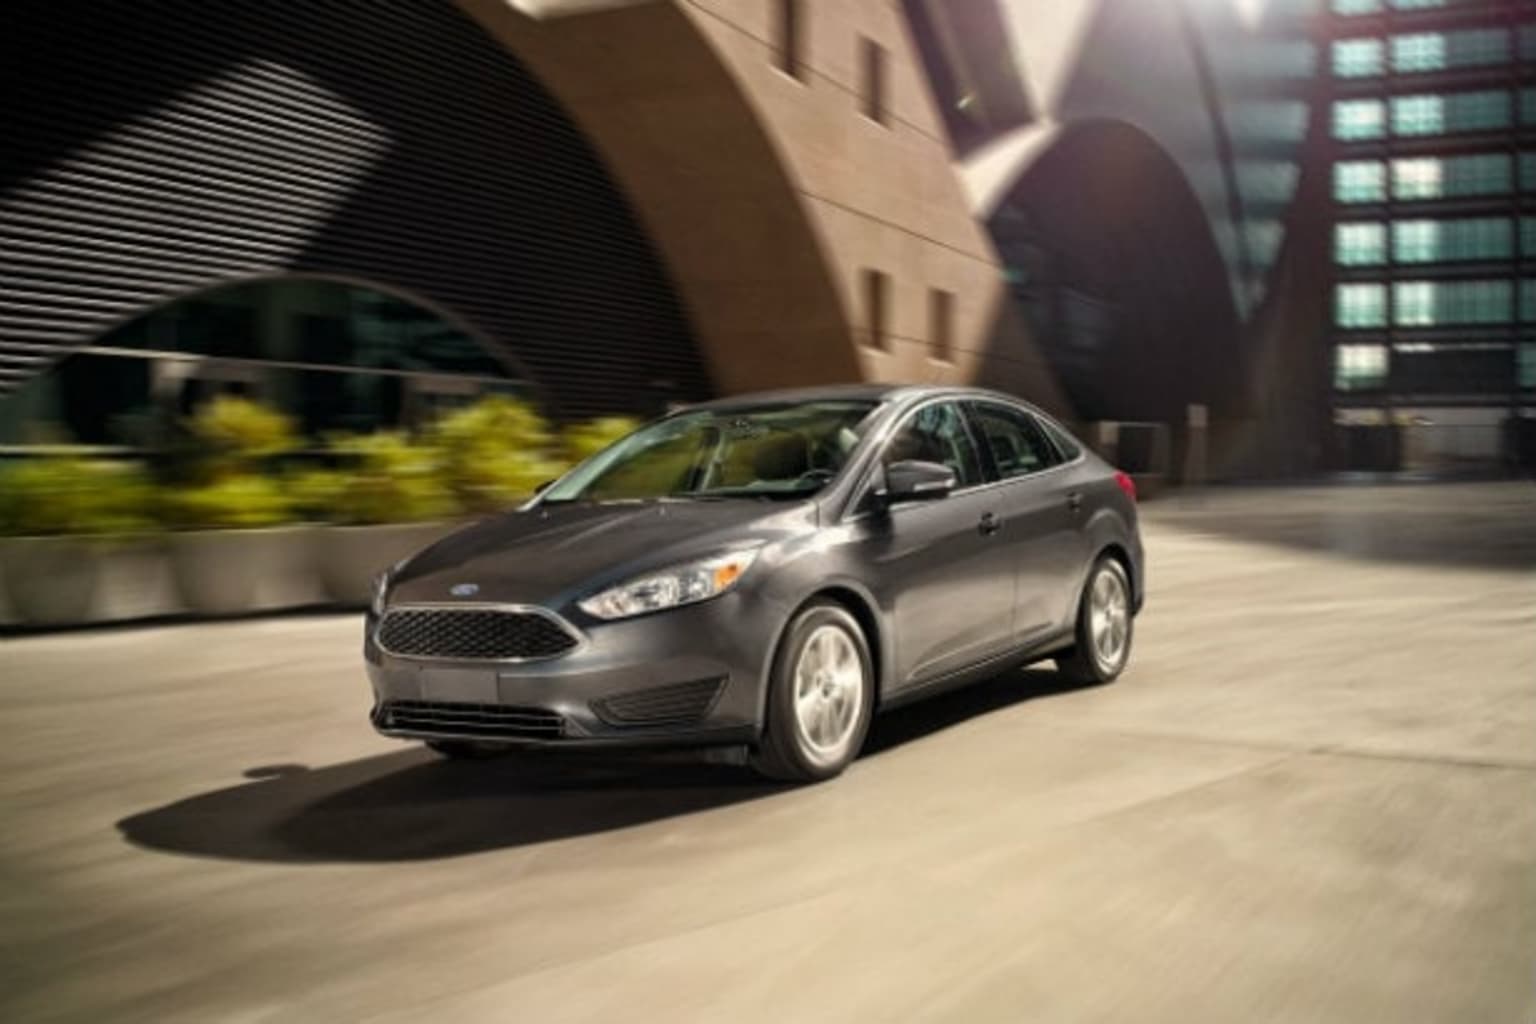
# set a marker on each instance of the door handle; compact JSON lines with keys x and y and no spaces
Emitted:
{"x":989,"y":524}
{"x":1075,"y":500}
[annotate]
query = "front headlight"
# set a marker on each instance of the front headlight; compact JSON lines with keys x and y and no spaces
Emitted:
{"x":683,"y":584}
{"x":380,"y":592}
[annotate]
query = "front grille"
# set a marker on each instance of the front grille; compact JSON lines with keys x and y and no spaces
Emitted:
{"x":662,"y":705}
{"x":484,"y":721}
{"x":490,"y":634}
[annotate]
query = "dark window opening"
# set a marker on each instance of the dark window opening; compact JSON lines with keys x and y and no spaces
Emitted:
{"x":874,"y":88}
{"x":876,"y":299}
{"x":787,"y":41}
{"x":941,"y":316}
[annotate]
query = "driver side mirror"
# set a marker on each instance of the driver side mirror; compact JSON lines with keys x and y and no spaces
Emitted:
{"x":916,"y":480}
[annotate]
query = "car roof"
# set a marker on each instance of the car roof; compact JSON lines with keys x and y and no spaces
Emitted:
{"x":852,"y":393}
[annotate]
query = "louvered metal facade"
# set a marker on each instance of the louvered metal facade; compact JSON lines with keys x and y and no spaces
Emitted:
{"x":151,"y":149}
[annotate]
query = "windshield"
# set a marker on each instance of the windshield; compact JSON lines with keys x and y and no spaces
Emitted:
{"x":771,"y":451}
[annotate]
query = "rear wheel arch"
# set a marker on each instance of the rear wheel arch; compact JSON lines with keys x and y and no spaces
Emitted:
{"x":1118,"y":552}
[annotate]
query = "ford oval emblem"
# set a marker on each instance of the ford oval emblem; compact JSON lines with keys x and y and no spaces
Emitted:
{"x":464,"y":589}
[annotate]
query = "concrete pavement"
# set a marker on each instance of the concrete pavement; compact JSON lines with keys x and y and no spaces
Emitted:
{"x":1312,"y":798}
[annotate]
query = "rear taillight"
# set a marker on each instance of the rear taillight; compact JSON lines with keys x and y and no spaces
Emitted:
{"x":1126,"y":484}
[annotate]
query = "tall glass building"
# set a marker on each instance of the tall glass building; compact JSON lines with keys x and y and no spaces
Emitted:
{"x":1433,"y":154}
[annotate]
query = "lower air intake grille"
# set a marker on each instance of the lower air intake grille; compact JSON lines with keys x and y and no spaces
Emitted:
{"x":487,"y":721}
{"x":663,"y":705}
{"x":489,"y":634}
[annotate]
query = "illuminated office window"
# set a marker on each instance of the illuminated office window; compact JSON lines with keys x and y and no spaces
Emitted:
{"x":1437,"y":241}
{"x":1418,"y":115}
{"x":1359,"y":245}
{"x":1528,"y":237}
{"x":1528,"y":300}
{"x":1360,"y":305}
{"x":1528,"y":171}
{"x":1418,"y":178}
{"x":1357,"y":58}
{"x":1433,"y":303}
{"x":1478,"y":174}
{"x":1438,"y":51}
{"x":1423,"y":51}
{"x":1352,"y":7}
{"x":1527,"y":370}
{"x":1418,"y":5}
{"x":1358,"y":119}
{"x":1359,"y":367}
{"x":1528,"y":106}
{"x":1454,"y":112}
{"x":1359,"y":181}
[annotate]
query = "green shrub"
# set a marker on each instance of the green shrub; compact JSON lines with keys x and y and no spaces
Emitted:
{"x":234,"y":434}
{"x":387,"y":478}
{"x":494,"y":453}
{"x":238,"y":501}
{"x":583,"y":440}
{"x":54,"y":495}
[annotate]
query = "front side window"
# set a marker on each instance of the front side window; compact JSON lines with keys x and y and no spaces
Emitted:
{"x":774,"y":451}
{"x":937,"y":433}
{"x":1018,"y":445}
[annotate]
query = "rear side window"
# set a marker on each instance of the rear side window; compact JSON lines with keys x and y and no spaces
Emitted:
{"x":1018,"y":444}
{"x":1065,"y":442}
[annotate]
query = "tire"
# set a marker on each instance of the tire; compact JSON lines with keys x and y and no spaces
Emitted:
{"x":821,"y":696}
{"x":1104,"y":627}
{"x":463,"y":750}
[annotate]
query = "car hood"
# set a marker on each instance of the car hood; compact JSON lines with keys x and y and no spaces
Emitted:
{"x":553,"y":554}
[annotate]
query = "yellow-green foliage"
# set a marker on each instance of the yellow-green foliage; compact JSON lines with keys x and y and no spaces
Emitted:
{"x":240,"y":501}
{"x":236,"y":432}
{"x":583,"y":440}
{"x":389,"y":479}
{"x":54,"y":496}
{"x":494,"y":453}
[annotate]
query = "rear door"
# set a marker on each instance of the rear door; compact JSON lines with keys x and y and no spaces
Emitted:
{"x":1042,"y":516}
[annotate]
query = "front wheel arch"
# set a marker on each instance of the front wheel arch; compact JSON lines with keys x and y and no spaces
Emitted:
{"x":861,"y":606}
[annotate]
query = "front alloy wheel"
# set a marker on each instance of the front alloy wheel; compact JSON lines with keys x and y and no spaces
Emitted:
{"x":820,"y":697}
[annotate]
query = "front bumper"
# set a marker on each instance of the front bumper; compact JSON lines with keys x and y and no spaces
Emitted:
{"x":690,"y":676}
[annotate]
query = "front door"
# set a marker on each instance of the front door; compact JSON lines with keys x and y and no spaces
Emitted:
{"x":949,"y":594}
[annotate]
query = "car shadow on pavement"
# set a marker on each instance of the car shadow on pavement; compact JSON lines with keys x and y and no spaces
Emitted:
{"x":411,"y":805}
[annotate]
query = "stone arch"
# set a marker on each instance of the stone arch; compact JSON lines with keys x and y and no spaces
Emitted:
{"x":1112,"y":260}
{"x":695,"y":156}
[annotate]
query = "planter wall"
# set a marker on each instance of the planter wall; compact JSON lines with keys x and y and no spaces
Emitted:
{"x":68,"y":581}
{"x":348,"y":557}
{"x":52,"y":581}
{"x":231,"y":572}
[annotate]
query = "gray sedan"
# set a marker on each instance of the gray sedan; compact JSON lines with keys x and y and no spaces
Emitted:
{"x":765,"y":573}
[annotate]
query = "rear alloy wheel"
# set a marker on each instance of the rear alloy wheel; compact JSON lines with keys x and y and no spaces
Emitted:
{"x":820,"y":697}
{"x":1104,"y":627}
